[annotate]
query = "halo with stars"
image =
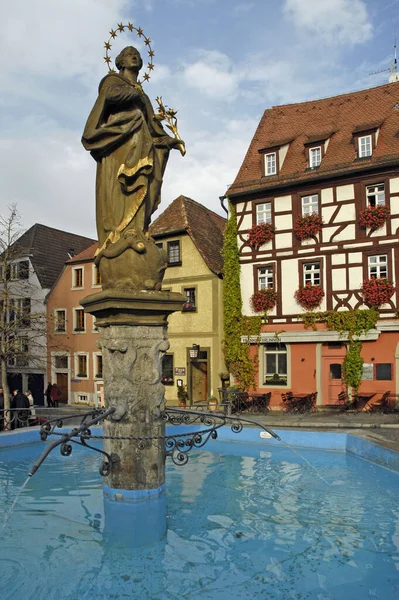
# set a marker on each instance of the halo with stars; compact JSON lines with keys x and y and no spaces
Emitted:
{"x":114,"y":34}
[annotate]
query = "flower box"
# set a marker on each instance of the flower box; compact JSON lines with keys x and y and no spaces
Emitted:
{"x":377,"y":291}
{"x":188,"y":307}
{"x":373,"y":217}
{"x":263,"y":300}
{"x":260,"y":234}
{"x":309,"y":296}
{"x":166,"y":380}
{"x":308,"y":226}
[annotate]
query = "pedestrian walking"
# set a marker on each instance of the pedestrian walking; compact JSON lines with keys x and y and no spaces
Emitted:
{"x":20,"y":417}
{"x":47,"y":394}
{"x":55,"y":394}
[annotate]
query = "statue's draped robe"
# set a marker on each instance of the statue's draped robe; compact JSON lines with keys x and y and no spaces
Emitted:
{"x":131,"y":151}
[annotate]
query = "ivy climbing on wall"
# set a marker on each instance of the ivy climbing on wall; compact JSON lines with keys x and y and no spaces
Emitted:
{"x":352,"y":323}
{"x":236,"y":353}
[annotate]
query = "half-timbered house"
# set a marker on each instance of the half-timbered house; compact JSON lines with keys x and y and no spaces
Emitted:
{"x":311,"y":171}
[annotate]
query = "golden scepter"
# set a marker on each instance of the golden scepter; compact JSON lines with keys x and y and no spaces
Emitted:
{"x":169,"y":115}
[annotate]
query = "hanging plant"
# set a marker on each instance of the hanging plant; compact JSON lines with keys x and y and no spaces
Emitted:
{"x":260,"y":234}
{"x":309,"y":296}
{"x":373,"y":217}
{"x":308,"y":226}
{"x":377,"y":291}
{"x":263,"y":300}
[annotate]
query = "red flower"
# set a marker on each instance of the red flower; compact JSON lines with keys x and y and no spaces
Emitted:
{"x":260,"y":234}
{"x":263,"y":300}
{"x":308,"y":226}
{"x":377,"y":291}
{"x":373,"y":217}
{"x":310,"y":296}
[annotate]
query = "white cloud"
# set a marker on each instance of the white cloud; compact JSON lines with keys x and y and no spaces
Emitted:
{"x":335,"y":21}
{"x":212,"y":74}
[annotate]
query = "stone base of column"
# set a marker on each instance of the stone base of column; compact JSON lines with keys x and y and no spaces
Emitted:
{"x":133,"y":340}
{"x":134,"y":518}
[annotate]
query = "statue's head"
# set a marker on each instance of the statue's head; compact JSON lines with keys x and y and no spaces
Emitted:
{"x":129,"y":58}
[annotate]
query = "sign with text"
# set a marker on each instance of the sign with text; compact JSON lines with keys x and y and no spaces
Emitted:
{"x":180,"y":370}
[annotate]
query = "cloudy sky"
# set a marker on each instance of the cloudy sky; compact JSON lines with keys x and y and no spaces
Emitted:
{"x":220,"y":63}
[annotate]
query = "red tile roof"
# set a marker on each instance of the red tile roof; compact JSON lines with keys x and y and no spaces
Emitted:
{"x":85,"y":255}
{"x":203,"y":226}
{"x":338,"y":117}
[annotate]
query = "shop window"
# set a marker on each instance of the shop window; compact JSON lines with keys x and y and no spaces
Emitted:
{"x":275,"y":364}
{"x":383,"y":371}
{"x":167,"y":369}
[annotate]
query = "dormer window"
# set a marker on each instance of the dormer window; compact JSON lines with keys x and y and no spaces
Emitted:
{"x":314,"y":157}
{"x":271,"y":164}
{"x":365,"y":146}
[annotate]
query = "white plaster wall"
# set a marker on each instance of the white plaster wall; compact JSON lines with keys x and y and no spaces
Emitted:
{"x":327,"y":232}
{"x":345,"y":192}
{"x":283,"y":240}
{"x":327,"y":196}
{"x":282,"y":203}
{"x":338,"y":259}
{"x":355,"y":257}
{"x":348,"y":233}
{"x":378,"y":232}
{"x":394,"y":185}
{"x":283,"y":222}
{"x":246,"y":222}
{"x":355,"y":278}
{"x":394,"y":205}
{"x":394,"y":225}
{"x":289,"y":285}
{"x":247,"y":287}
{"x":308,"y":242}
{"x":338,"y":279}
{"x":282,"y":153}
{"x":240,"y":206}
{"x":347,"y":212}
{"x":327,"y":212}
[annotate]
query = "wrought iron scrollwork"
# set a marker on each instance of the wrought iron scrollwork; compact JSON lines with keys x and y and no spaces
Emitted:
{"x":177,"y":446}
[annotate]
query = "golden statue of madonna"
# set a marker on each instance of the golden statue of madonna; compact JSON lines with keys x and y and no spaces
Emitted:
{"x":126,"y":138}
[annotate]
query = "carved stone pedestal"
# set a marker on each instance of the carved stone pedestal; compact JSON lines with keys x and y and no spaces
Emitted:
{"x":133,"y":340}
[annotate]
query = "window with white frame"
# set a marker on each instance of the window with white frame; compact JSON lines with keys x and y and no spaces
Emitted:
{"x":315,"y":157}
{"x":265,"y":277}
{"x":81,"y":365}
{"x":311,"y":273}
{"x":83,"y":398}
{"x":98,"y":366}
{"x":77,"y":277}
{"x":263,"y":213}
{"x":61,"y":361}
{"x":79,"y":319}
{"x":97,"y":281}
{"x":190,"y":304}
{"x":276,"y":364}
{"x":60,"y":320}
{"x":375,"y":194}
{"x":310,"y":205}
{"x":378,"y":266}
{"x":365,"y":146}
{"x":271,"y":164}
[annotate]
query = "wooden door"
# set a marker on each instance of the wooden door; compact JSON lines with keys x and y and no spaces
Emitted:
{"x":199,"y":382}
{"x":62,"y":383}
{"x":332,"y":379}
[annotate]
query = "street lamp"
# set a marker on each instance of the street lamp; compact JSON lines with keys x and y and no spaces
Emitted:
{"x":194,"y":351}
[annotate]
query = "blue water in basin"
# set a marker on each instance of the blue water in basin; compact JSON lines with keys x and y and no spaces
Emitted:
{"x":243,"y":522}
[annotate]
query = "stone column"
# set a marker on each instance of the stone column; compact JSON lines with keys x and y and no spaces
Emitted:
{"x":133,"y":339}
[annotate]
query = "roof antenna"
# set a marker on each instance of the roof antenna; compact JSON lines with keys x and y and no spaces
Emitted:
{"x":393,"y":68}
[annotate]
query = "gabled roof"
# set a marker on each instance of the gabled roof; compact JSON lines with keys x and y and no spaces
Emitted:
{"x":204,"y":227}
{"x":48,"y":249}
{"x":336,"y":118}
{"x":87,"y":255}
